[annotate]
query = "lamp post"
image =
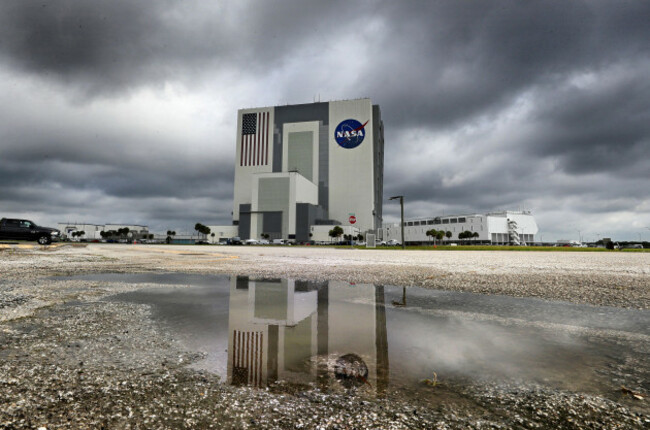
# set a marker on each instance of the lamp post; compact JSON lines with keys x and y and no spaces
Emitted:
{"x":401,"y":203}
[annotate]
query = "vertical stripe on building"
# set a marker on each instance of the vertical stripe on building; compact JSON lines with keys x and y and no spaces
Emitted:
{"x":266,"y":139}
{"x":254,"y":139}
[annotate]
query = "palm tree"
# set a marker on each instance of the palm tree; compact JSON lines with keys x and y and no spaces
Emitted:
{"x":448,"y":234}
{"x":202,"y":229}
{"x":170,"y":233}
{"x":432,"y":233}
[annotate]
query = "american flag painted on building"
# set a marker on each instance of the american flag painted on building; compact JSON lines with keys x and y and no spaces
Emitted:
{"x":254,"y":139}
{"x":247,"y":358}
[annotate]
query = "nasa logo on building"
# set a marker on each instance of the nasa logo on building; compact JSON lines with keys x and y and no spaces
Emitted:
{"x":350,"y":133}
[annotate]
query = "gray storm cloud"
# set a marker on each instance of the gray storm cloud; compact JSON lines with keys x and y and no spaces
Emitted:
{"x":488,"y":105}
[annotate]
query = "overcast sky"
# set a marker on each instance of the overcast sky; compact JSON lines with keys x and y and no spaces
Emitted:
{"x":125,"y":112}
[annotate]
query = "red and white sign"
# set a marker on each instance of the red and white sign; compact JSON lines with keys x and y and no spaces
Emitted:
{"x":352,"y":219}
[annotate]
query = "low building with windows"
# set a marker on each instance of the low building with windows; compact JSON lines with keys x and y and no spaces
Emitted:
{"x":496,"y":228}
{"x":93,"y":231}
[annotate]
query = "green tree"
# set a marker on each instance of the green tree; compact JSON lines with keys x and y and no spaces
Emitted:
{"x":448,"y":234}
{"x":440,"y":234}
{"x":123,"y":232}
{"x":78,"y":233}
{"x":336,"y":232}
{"x":465,"y":235}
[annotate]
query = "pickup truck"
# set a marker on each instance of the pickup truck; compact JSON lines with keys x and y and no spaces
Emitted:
{"x":22,"y":229}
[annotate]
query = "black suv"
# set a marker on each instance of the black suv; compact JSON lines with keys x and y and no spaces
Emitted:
{"x":22,"y":229}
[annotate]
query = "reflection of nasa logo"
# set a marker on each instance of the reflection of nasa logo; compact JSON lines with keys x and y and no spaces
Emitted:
{"x":350,"y":133}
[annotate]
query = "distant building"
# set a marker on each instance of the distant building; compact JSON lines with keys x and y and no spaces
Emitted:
{"x":93,"y":231}
{"x":307,"y":165}
{"x":222,"y":233}
{"x":497,"y":228}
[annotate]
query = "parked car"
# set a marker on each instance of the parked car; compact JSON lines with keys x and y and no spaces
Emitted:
{"x":251,"y":242}
{"x":393,"y":242}
{"x":22,"y":229}
{"x":234,"y":241}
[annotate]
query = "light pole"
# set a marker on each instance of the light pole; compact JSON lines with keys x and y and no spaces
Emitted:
{"x":401,"y":203}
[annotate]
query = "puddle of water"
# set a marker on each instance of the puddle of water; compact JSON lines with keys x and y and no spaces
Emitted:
{"x":256,"y":332}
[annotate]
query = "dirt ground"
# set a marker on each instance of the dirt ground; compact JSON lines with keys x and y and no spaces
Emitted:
{"x":69,"y":359}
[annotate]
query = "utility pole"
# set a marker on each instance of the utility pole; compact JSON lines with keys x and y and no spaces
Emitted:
{"x":401,"y":203}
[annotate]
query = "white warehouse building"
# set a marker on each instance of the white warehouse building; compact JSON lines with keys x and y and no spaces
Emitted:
{"x":315,"y":164}
{"x":497,"y":228}
{"x":93,"y":231}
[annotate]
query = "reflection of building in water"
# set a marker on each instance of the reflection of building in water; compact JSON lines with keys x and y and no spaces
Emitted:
{"x":301,"y":331}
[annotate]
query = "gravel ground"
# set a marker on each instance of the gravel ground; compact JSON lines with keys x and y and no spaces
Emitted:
{"x":70,"y":360}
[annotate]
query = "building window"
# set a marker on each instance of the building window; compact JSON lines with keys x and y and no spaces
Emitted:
{"x":430,"y":222}
{"x":445,"y":221}
{"x":453,"y":220}
{"x":461,"y":220}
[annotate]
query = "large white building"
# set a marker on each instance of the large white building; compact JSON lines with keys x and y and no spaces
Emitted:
{"x":304,"y":165}
{"x":498,"y":228}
